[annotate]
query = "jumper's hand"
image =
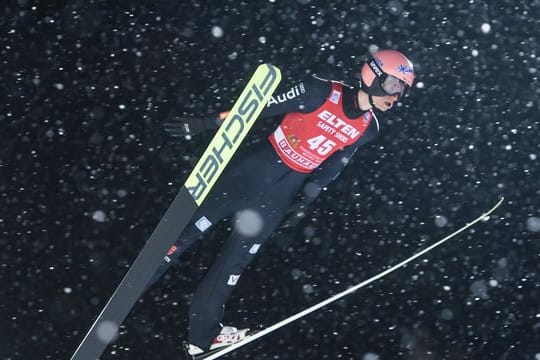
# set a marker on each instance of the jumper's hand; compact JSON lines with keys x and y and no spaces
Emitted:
{"x":178,"y":126}
{"x":182,"y":126}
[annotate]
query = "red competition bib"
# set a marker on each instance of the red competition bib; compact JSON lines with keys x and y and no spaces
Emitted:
{"x":305,"y":141}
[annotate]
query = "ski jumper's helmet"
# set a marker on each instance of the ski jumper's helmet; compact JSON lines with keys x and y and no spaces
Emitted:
{"x":387,"y":72}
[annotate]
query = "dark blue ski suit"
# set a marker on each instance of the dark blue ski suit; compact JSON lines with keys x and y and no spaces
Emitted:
{"x":258,"y":188}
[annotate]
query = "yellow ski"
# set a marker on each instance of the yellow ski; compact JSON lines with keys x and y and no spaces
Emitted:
{"x":215,"y":158}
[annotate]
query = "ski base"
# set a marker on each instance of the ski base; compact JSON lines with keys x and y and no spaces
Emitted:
{"x":199,"y":183}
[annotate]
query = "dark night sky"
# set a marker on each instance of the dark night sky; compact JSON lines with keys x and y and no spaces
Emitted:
{"x":86,"y":173}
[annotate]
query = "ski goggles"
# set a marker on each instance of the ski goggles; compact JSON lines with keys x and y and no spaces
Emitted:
{"x":387,"y":84}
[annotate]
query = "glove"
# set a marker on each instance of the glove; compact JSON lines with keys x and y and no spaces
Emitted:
{"x":183,"y":126}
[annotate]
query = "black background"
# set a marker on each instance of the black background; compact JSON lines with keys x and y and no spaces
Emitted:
{"x":86,"y":172}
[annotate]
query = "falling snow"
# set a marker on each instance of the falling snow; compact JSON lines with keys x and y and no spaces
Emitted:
{"x":217,"y":31}
{"x":248,"y":222}
{"x":99,"y":216}
{"x":533,"y":224}
{"x":86,"y":173}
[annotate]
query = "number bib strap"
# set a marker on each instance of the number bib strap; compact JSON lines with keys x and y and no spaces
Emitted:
{"x":305,"y":141}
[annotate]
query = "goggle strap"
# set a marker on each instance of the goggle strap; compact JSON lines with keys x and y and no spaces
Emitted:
{"x":377,"y":70}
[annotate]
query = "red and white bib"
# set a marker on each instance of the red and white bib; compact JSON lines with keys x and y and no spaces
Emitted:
{"x":305,"y":141}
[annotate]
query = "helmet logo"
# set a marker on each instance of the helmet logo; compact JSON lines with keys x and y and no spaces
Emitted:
{"x":376,"y":68}
{"x":404,"y":69}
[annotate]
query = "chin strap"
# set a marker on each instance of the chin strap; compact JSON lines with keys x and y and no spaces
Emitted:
{"x":371,"y":101}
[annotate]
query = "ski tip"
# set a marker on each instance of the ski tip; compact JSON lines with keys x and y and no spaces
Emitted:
{"x":272,"y":69}
{"x":501,"y":200}
{"x":485,"y":216}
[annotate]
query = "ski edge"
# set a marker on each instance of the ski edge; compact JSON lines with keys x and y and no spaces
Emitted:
{"x":262,"y":83}
{"x":352,"y":289}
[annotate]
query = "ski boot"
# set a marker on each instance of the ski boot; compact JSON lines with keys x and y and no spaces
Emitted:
{"x":227,"y":336}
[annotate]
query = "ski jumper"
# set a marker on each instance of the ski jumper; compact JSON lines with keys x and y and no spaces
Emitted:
{"x":320,"y":128}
